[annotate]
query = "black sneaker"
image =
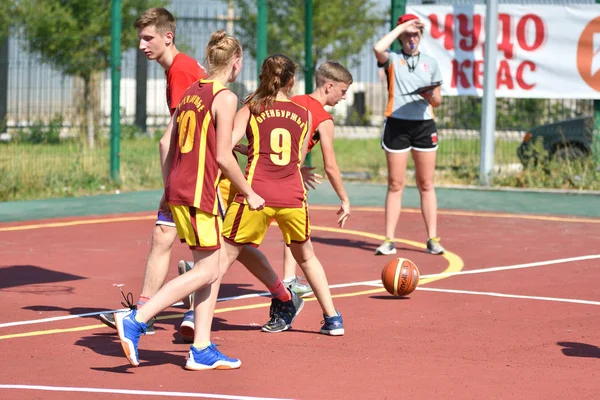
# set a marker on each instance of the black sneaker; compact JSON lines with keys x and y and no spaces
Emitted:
{"x":109,"y":320}
{"x":275,"y":323}
{"x":283,"y":313}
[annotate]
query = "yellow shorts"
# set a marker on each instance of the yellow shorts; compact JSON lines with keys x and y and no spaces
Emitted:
{"x":226,"y":192}
{"x":242,"y":226}
{"x":200,"y":230}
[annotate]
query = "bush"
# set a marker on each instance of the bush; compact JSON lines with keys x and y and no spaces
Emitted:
{"x":557,"y":173}
{"x":41,"y":132}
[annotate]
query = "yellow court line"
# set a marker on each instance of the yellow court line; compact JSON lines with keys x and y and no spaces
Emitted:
{"x":79,"y":222}
{"x":455,"y":264}
{"x":474,"y":214}
{"x":52,"y":331}
{"x":376,"y":209}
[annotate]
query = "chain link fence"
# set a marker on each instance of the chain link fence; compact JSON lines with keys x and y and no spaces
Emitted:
{"x":42,"y":154}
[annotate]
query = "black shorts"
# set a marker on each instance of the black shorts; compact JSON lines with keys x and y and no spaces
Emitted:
{"x":400,"y":135}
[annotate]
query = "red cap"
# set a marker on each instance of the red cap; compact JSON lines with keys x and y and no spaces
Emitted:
{"x":406,"y":17}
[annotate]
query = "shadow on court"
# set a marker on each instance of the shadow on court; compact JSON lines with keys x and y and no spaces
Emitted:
{"x":72,"y":311}
{"x":338,"y":242}
{"x":21,"y":275}
{"x":171,"y":324}
{"x":576,"y":349}
{"x":107,"y":344}
{"x":238,"y":289}
{"x":360,"y":244}
{"x":389,"y":297}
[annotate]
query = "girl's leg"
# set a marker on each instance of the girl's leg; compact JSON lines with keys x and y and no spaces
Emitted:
{"x":396,"y":166}
{"x":205,"y":272}
{"x":315,"y":274}
{"x":425,"y":170}
{"x":258,"y":265}
{"x":205,"y":299}
{"x":289,"y":274}
{"x":131,"y":325}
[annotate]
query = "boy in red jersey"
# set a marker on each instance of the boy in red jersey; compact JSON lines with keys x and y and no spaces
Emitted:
{"x":156,"y":30}
{"x":277,"y":130}
{"x":333,"y":81}
{"x":201,"y":144}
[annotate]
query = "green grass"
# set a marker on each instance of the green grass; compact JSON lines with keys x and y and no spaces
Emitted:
{"x":457,"y":160}
{"x":35,"y":171}
{"x":38,"y":171}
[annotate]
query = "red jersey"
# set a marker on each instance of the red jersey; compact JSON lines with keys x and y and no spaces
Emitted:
{"x":275,"y":138}
{"x":194,"y":172}
{"x":318,"y":115}
{"x":181,"y":74}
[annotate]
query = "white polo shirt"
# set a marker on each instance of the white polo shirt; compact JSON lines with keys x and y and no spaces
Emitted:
{"x":405,"y":75}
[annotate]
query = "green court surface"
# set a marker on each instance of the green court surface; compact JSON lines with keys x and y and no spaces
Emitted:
{"x":361,"y":194}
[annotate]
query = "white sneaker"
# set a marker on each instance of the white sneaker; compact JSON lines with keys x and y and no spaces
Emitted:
{"x":386,"y":248}
{"x":182,"y":268}
{"x":434,"y":246}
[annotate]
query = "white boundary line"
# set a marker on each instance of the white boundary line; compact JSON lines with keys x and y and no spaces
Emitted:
{"x":511,"y":296}
{"x":517,"y":266}
{"x":376,"y":282}
{"x":135,"y":392}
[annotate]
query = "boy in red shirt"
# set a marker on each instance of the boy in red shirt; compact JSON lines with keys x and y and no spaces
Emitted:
{"x":333,"y":81}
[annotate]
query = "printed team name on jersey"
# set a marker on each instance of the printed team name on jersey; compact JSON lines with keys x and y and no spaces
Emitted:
{"x":193,"y":99}
{"x":281,"y":114}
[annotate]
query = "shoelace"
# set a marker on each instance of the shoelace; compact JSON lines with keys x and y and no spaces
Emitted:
{"x":275,"y":308}
{"x":128,"y":300}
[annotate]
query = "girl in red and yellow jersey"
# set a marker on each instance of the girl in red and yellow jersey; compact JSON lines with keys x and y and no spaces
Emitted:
{"x":277,"y":129}
{"x":201,"y":144}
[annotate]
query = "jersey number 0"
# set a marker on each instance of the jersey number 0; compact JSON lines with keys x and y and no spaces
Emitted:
{"x":186,"y":122}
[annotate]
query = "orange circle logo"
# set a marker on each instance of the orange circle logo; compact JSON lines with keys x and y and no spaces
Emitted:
{"x":588,"y":54}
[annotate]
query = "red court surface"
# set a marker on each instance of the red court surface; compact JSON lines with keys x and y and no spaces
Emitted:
{"x":510,"y":312}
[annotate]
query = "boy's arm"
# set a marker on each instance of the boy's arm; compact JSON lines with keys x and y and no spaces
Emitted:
{"x":304,"y":150}
{"x":325,"y":129}
{"x":165,"y":148}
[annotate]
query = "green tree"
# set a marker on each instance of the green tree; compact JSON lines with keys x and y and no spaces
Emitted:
{"x":6,"y":11}
{"x":74,"y":37}
{"x":340,"y":28}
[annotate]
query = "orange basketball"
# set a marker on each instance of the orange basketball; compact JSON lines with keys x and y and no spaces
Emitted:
{"x":400,"y":277}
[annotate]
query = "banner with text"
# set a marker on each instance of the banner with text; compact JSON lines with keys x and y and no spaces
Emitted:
{"x":544,"y":51}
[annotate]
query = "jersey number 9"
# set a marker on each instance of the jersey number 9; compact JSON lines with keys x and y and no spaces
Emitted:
{"x":281,"y":145}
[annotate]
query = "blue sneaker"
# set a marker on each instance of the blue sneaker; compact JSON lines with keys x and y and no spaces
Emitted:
{"x":187,"y":327}
{"x":333,"y":326}
{"x":129,"y":331}
{"x":210,"y":358}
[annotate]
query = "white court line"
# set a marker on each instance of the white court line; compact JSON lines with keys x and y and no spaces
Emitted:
{"x":376,"y":282}
{"x":517,"y":266}
{"x":135,"y":392}
{"x":511,"y":296}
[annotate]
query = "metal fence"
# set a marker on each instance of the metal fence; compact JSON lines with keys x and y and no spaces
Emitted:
{"x":41,"y":101}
